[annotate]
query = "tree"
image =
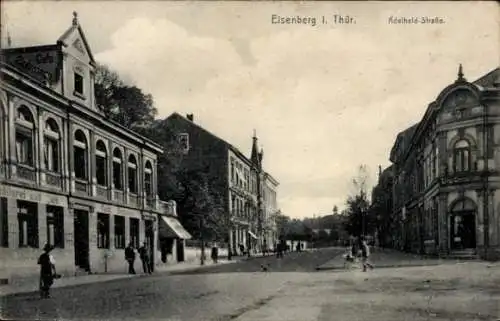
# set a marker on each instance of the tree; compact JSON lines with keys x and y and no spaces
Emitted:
{"x":127,"y":105}
{"x":359,"y":221}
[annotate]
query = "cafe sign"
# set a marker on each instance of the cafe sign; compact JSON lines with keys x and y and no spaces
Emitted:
{"x":22,"y":194}
{"x":41,"y":65}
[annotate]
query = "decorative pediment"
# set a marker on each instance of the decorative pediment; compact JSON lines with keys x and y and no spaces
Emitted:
{"x":75,"y":42}
{"x":460,"y":98}
{"x":79,"y":45}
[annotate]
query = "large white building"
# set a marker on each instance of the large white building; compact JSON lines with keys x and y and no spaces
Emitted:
{"x":68,"y":176}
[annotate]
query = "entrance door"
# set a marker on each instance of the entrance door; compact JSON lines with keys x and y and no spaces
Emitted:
{"x":150,"y":237}
{"x":81,"y":228}
{"x":180,"y":250}
{"x":463,"y":230}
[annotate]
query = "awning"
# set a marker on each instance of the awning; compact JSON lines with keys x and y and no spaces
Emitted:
{"x":252,"y":235}
{"x":172,"y":228}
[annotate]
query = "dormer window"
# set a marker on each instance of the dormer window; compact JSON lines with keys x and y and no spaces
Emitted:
{"x":78,"y":79}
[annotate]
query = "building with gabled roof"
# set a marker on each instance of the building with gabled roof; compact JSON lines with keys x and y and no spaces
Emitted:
{"x":69,"y":176}
{"x":247,"y":191}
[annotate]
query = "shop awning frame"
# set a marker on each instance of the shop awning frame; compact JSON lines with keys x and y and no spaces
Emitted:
{"x":172,"y":228}
{"x":252,"y":234}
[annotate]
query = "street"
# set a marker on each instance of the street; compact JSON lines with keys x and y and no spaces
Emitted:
{"x":242,"y":292}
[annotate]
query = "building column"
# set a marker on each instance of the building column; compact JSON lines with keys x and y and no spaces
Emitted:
{"x":480,"y":219}
{"x":111,"y":231}
{"x":142,"y":231}
{"x":443,"y":219}
{"x":92,"y":215}
{"x":127,"y":237}
{"x":69,"y":228}
{"x":39,"y":146}
{"x":13,"y":223}
{"x":42,"y":224}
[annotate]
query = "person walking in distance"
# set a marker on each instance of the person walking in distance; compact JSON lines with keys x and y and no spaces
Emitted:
{"x":130,"y":258}
{"x":365,"y":254}
{"x":47,"y":271}
{"x":144,"y":255}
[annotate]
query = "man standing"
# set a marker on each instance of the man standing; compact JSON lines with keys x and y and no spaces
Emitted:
{"x":47,"y":271}
{"x":144,"y":255}
{"x":130,"y":258}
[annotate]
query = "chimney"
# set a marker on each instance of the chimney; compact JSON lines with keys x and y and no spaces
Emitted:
{"x":190,"y":117}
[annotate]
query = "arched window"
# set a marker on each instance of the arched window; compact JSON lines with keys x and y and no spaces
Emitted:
{"x":461,"y":156}
{"x":51,"y":146}
{"x":101,"y":159}
{"x":25,"y":135}
{"x":80,"y":155}
{"x":132,"y":174}
{"x":117,"y":169}
{"x":148,"y":178}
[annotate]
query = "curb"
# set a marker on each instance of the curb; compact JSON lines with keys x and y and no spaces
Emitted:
{"x":118,"y":278}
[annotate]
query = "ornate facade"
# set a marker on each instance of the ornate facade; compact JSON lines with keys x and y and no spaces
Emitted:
{"x":68,"y":176}
{"x":447,"y":173}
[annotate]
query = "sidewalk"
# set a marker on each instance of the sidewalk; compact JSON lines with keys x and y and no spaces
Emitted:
{"x":386,"y":258}
{"x":31,"y":284}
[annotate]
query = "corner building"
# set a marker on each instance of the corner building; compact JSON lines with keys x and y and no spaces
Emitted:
{"x":68,"y":176}
{"x":447,"y":173}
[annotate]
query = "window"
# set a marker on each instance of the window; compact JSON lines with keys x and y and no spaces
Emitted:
{"x":148,"y":178}
{"x":55,"y":226}
{"x":78,"y":83}
{"x":101,"y":163}
{"x":102,"y":231}
{"x":232,"y":170}
{"x":117,"y":169}
{"x":132,"y":174}
{"x":233,"y":204}
{"x":28,"y":224}
{"x":183,"y":140}
{"x":4,"y":220}
{"x":134,"y":232}
{"x":461,"y":156}
{"x":25,"y":136}
{"x":119,"y":232}
{"x":80,"y":155}
{"x":51,"y":146}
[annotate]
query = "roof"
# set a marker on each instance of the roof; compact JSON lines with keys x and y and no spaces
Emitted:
{"x":75,"y":26}
{"x":402,"y":139}
{"x":229,"y":145}
{"x":489,"y":80}
{"x":16,"y":73}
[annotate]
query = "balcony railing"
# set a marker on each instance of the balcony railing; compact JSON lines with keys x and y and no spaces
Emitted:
{"x":118,"y":196}
{"x":53,"y":179}
{"x":150,"y":202}
{"x":26,"y":173}
{"x":81,"y":186}
{"x":102,"y":191}
{"x":133,"y":199}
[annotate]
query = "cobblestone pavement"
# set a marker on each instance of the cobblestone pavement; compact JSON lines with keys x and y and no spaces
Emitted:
{"x":468,"y":291}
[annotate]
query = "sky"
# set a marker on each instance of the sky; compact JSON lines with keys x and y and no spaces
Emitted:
{"x":323,"y":99}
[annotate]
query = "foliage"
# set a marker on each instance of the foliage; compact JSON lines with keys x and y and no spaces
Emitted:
{"x":127,"y":105}
{"x":360,"y":220}
{"x":381,"y":208}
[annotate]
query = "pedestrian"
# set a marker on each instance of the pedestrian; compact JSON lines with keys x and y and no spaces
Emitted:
{"x":47,"y":271}
{"x":365,"y":254}
{"x":130,"y":258}
{"x":144,"y":255}
{"x":215,"y":253}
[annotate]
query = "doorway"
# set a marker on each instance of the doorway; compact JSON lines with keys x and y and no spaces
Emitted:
{"x":180,"y":250}
{"x":463,"y":230}
{"x":81,"y":228}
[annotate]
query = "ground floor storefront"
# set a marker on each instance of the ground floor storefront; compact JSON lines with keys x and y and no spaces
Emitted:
{"x":88,"y":236}
{"x":454,"y":222}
